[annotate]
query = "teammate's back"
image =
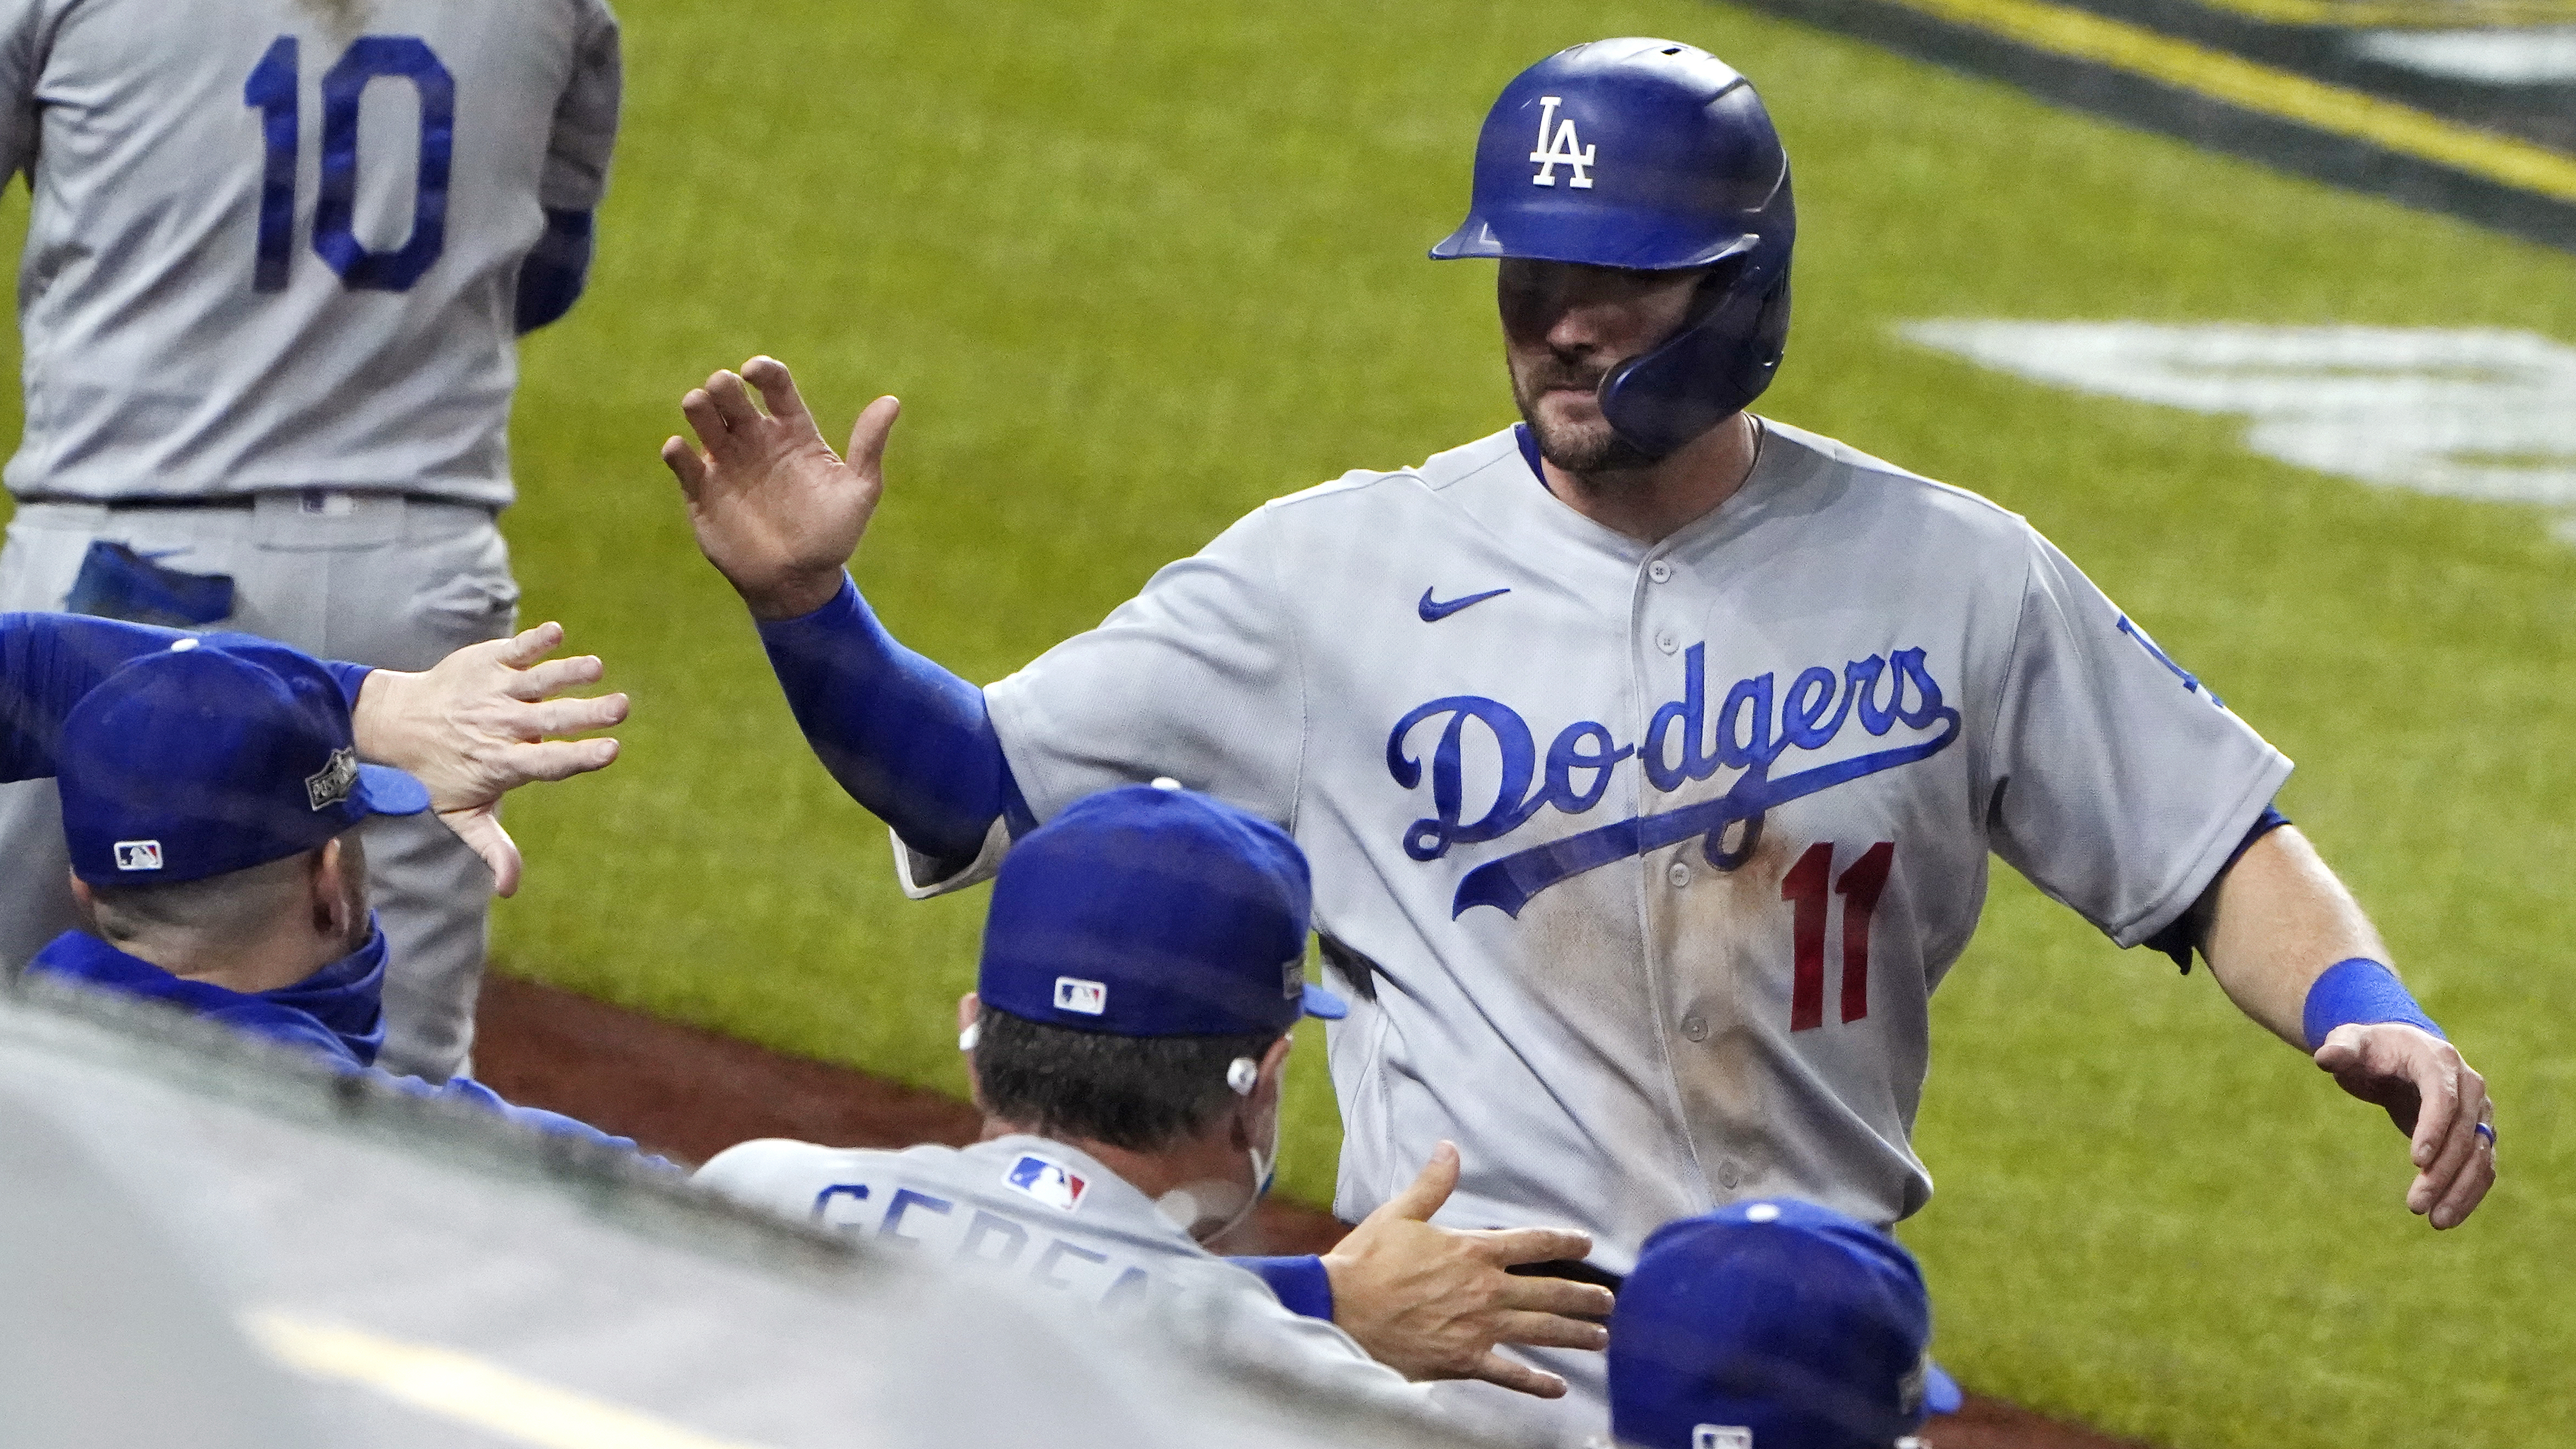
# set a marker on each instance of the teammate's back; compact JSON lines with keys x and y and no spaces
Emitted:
{"x":277,"y":243}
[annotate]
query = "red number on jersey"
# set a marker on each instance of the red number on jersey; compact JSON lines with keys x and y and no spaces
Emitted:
{"x":1804,"y":888}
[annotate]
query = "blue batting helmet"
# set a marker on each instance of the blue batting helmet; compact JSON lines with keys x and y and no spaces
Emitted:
{"x":1652,"y":155}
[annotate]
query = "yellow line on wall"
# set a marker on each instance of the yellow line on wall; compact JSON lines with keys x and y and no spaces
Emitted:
{"x":2082,"y":35}
{"x":466,"y":1389}
{"x":2413,"y":14}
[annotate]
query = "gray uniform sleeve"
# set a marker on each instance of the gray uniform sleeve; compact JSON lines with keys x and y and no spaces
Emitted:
{"x":758,"y":1174}
{"x":585,"y":130}
{"x":1229,"y":1314}
{"x":2119,"y":784}
{"x":22,"y":65}
{"x":1198,"y":677}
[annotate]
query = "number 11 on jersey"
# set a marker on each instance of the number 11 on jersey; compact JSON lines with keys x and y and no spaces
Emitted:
{"x":273,"y":91}
{"x":1804,"y":888}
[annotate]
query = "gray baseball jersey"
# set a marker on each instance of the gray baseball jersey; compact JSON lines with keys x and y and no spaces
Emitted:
{"x":1640,"y":862}
{"x":1042,"y":1212}
{"x":275,"y":243}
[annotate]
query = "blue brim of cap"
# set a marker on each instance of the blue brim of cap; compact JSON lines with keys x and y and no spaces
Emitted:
{"x":1940,"y":1391}
{"x":1325,"y":1004}
{"x":384,"y":790}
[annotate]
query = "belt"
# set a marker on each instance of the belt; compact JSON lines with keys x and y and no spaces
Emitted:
{"x":1574,"y":1269}
{"x":313,"y":497}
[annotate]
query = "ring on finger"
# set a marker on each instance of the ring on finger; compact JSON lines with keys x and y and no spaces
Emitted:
{"x":2486,"y":1131}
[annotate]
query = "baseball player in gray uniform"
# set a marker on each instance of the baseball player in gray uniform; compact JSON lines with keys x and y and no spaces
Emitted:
{"x":277,"y":257}
{"x":1649,"y":753}
{"x":1142,"y":965}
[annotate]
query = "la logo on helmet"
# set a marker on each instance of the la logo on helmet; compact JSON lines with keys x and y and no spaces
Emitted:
{"x":1561,"y":149}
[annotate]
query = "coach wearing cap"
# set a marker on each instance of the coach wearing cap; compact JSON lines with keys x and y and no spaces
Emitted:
{"x":211,"y":801}
{"x":1773,"y":1324}
{"x":473,"y":727}
{"x":1143,"y":965}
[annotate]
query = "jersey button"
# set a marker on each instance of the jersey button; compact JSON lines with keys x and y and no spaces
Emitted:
{"x":1695,"y":1026}
{"x":1660,"y":571}
{"x":1667,"y":641}
{"x":1727,"y":1176}
{"x":1678,"y":874}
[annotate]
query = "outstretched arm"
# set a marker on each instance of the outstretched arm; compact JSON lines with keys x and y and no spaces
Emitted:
{"x":774,"y":508}
{"x":1434,"y":1302}
{"x":779,"y":514}
{"x":474,"y":727}
{"x":2294,"y":952}
{"x":48,"y":661}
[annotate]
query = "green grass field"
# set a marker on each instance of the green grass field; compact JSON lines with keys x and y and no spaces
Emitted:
{"x":1135,"y":268}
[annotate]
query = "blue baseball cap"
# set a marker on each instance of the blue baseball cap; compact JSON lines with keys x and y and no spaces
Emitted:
{"x":1147,"y":911}
{"x":1776,"y":1324}
{"x":201,"y":759}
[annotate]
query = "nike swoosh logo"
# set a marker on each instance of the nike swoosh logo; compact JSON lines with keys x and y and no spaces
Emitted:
{"x":1434,"y":610}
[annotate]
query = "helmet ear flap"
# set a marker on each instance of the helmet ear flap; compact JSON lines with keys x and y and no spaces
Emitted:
{"x":1709,"y":371}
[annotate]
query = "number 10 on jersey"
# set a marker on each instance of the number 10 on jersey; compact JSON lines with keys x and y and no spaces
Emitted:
{"x":274,"y":91}
{"x":1804,"y":888}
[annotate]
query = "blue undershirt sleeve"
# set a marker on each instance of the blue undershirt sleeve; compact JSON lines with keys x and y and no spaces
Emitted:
{"x":482,"y":1098}
{"x":1301,"y":1283}
{"x":350,"y":677}
{"x":554,"y":271}
{"x":48,"y":661}
{"x":2175,"y":939}
{"x":906,"y":738}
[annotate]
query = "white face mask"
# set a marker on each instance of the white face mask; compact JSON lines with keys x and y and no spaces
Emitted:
{"x":1209,"y":1210}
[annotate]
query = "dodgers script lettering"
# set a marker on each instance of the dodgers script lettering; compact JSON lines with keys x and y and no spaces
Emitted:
{"x":1753,"y":726}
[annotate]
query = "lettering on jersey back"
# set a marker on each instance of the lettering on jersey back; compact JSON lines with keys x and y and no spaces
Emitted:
{"x":987,"y":1239}
{"x":993,"y":1240}
{"x":1753,"y":726}
{"x":906,"y":1200}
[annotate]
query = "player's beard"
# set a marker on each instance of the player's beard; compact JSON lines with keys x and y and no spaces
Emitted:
{"x":1587,"y":449}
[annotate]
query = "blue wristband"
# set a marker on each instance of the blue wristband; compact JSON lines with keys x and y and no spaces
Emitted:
{"x":1301,"y":1283}
{"x":2359,"y":990}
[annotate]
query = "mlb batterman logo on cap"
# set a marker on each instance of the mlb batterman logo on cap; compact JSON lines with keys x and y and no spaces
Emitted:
{"x":202,"y":759}
{"x":1152,"y":912}
{"x":1773,"y":1324}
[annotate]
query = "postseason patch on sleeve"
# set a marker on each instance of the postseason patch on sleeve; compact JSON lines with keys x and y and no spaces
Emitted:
{"x":1049,"y":1182}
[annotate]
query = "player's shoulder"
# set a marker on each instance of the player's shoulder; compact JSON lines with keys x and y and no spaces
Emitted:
{"x":1889,"y":485}
{"x":595,"y":15}
{"x":1365,"y":487}
{"x":1871,"y":492}
{"x":1320,"y":521}
{"x":768,"y":1164}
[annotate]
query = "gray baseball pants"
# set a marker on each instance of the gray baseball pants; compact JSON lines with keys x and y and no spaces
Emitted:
{"x":371,"y":578}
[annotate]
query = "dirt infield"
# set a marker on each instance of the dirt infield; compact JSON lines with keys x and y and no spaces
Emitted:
{"x":690,"y":1093}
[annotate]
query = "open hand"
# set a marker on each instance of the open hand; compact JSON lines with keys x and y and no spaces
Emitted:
{"x":474,"y":727}
{"x":2434,"y":1098}
{"x":1432,"y":1302}
{"x":775,"y":509}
